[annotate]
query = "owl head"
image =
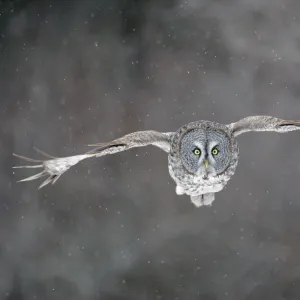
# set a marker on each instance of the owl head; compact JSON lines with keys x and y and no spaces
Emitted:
{"x":205,"y":151}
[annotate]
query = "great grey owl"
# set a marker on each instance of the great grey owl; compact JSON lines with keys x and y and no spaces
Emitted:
{"x":202,"y":155}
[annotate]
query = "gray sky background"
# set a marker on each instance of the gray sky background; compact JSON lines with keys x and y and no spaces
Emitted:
{"x":79,"y":72}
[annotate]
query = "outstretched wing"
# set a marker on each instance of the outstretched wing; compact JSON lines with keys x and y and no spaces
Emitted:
{"x":264,"y":123}
{"x":54,"y":167}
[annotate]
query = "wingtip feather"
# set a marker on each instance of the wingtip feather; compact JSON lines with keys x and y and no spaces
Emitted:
{"x":96,"y":145}
{"x":33,"y":177}
{"x":26,"y":158}
{"x":46,"y":182}
{"x":28,"y":167}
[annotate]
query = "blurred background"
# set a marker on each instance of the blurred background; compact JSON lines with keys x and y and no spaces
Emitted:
{"x":79,"y":72}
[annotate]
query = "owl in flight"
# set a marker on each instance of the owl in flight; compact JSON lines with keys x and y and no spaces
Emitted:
{"x":202,"y":155}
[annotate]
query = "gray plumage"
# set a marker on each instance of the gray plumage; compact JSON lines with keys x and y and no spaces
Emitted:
{"x":202,"y":155}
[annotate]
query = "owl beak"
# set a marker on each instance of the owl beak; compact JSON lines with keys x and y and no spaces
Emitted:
{"x":206,"y":164}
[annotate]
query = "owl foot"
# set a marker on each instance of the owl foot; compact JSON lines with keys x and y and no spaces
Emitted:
{"x":204,"y":199}
{"x":179,"y":190}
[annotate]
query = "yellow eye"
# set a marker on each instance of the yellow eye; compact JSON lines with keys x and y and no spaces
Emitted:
{"x":214,"y":151}
{"x":197,"y":151}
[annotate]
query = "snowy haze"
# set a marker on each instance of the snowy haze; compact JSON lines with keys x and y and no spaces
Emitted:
{"x":74,"y":73}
